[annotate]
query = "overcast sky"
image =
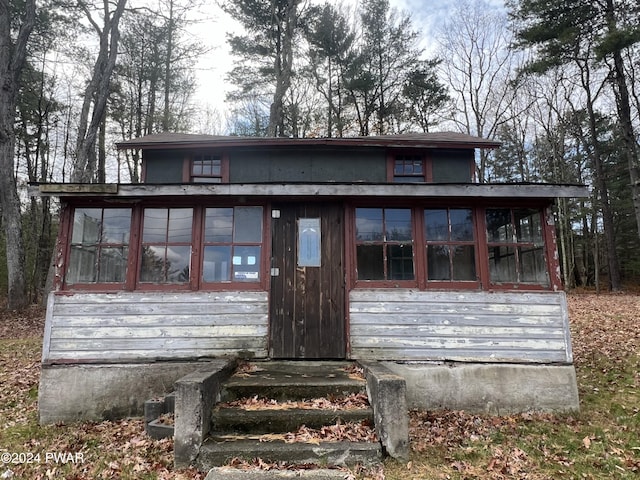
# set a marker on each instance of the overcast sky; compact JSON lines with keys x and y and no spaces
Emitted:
{"x":213,"y":67}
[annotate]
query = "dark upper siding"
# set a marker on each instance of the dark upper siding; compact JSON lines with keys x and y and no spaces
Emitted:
{"x":452,"y":166}
{"x":362,"y":165}
{"x":163,"y":166}
{"x":309,"y":165}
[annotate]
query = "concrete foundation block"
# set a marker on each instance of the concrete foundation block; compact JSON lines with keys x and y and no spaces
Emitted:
{"x":70,"y":393}
{"x":195,"y":396}
{"x":489,"y":388}
{"x":387,"y":395}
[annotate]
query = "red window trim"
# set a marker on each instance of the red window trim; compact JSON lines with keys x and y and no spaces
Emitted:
{"x":187,"y":166}
{"x":426,"y":164}
{"x":421,"y":282}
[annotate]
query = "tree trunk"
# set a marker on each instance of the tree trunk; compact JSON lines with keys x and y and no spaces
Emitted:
{"x":630,"y":150}
{"x":12,"y":60}
{"x":97,"y":93}
{"x":283,"y":66}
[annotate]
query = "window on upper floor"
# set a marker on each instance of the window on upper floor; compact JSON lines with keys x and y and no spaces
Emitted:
{"x":408,"y":169}
{"x":206,"y":168}
{"x":99,"y":246}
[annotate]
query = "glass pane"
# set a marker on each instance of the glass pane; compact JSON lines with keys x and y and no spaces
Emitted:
{"x":152,"y":267}
{"x":82,"y":265}
{"x":464,"y":263}
{"x":217,"y":264}
{"x":461,"y":224}
{"x":528,"y":226}
{"x":438,"y":263}
{"x":436,"y":224}
{"x":397,"y":224}
{"x":533,"y":267}
{"x":113,"y":265}
{"x":499,"y":227}
{"x":370,"y":262}
{"x":502,"y":264}
{"x":178,"y":262}
{"x":218,"y":225}
{"x":368,"y":224}
{"x":247,"y":225}
{"x":246,"y":264}
{"x":154,"y":229}
{"x":86,"y":225}
{"x":400,"y":262}
{"x":116,"y":225}
{"x":180,"y":225}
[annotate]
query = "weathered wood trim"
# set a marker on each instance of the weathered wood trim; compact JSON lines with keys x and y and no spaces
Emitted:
{"x":148,"y":326}
{"x":410,"y":325}
{"x":522,"y":191}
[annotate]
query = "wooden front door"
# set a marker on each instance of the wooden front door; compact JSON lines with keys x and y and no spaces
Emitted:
{"x":307,"y":318}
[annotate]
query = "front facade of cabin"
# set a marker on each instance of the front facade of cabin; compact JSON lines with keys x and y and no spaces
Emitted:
{"x":370,"y":248}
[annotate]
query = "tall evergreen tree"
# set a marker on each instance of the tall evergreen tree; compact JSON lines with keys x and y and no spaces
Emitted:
{"x":266,"y":52}
{"x":582,"y":32}
{"x":15,"y":30}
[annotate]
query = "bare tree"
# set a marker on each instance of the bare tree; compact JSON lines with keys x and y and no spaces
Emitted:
{"x":12,"y":60}
{"x":97,"y":91}
{"x":477,"y":65}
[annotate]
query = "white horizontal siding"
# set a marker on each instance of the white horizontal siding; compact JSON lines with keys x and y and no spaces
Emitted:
{"x":135,"y":326}
{"x":408,"y":325}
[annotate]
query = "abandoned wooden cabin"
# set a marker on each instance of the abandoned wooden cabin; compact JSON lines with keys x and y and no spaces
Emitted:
{"x":377,"y":248}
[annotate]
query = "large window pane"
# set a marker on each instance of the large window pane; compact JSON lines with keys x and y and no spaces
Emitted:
{"x":87,"y":223}
{"x":499,"y":225}
{"x":438,"y":262}
{"x":450,"y":244}
{"x":436,"y":224}
{"x":400,"y":262}
{"x":247,"y":224}
{"x":217,"y":264}
{"x":166,"y":245}
{"x":83,"y":265}
{"x":99,"y":246}
{"x":397,"y":224}
{"x":227,"y":257}
{"x":246,"y":263}
{"x":464,"y":263}
{"x":155,"y":225}
{"x":533,"y":266}
{"x":502,"y":264}
{"x":180,"y":225}
{"x":461,"y":224}
{"x":116,"y":225}
{"x":218,"y":225}
{"x":368,"y":224}
{"x":528,"y":226}
{"x":370,"y":260}
{"x":113,"y":264}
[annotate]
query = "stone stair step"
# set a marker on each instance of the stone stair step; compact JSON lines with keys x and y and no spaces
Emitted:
{"x":226,"y":473}
{"x":287,"y":380}
{"x":218,"y":451}
{"x":234,"y":419}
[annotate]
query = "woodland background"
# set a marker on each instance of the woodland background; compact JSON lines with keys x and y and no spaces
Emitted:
{"x":555,"y":82}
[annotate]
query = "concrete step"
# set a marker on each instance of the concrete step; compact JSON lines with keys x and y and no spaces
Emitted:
{"x":291,"y":380}
{"x":217,"y":451}
{"x":226,"y":473}
{"x":233,"y":419}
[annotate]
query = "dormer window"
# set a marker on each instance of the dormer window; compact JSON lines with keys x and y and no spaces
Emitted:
{"x":206,"y":169}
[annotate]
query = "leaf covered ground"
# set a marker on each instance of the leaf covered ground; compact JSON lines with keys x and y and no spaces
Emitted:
{"x":602,"y":441}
